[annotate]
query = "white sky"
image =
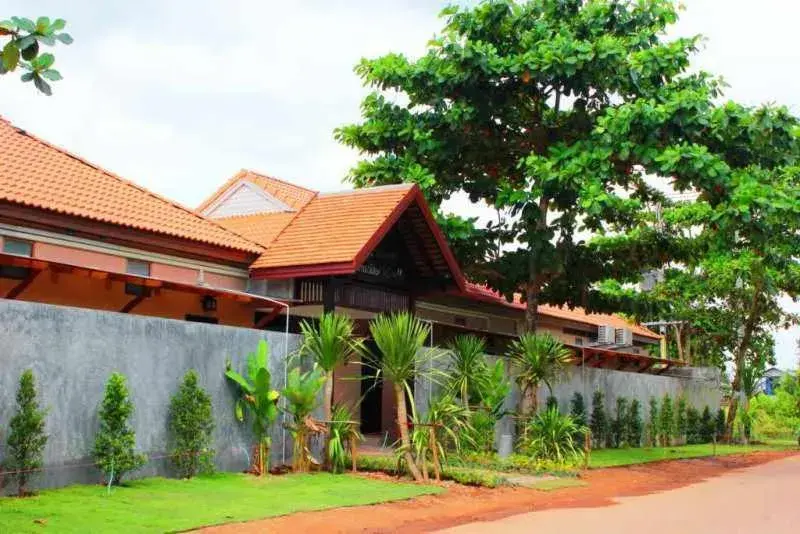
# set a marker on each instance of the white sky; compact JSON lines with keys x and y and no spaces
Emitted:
{"x":178,"y":95}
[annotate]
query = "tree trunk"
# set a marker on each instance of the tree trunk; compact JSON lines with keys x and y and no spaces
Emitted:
{"x":679,"y":341}
{"x":531,"y":315}
{"x":402,"y":426}
{"x":741,"y":353}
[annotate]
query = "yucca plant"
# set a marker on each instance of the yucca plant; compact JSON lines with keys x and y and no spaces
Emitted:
{"x":446,"y":422}
{"x":467,"y":366}
{"x":551,"y":436}
{"x":257,"y":399}
{"x":302,"y":397}
{"x":538,"y":358}
{"x":342,"y":435}
{"x":400,"y":339}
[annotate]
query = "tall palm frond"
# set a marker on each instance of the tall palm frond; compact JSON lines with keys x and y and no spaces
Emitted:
{"x":467,"y":366}
{"x":538,"y":358}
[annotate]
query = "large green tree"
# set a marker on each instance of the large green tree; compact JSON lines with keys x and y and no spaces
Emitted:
{"x":21,"y":39}
{"x":515,"y":105}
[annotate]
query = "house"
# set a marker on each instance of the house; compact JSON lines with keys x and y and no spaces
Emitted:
{"x":263,"y":253}
{"x":771,"y":381}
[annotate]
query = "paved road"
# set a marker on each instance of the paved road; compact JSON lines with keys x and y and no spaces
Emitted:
{"x":765,"y":498}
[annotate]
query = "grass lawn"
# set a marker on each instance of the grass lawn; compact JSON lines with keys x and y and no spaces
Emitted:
{"x":162,"y":505}
{"x":618,"y":457}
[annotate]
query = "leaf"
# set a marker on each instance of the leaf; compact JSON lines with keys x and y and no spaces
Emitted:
{"x":52,"y":75}
{"x":42,"y":25}
{"x":24,"y":24}
{"x":43,"y":62}
{"x":64,"y":38}
{"x":58,"y":25}
{"x":41,"y":85}
{"x":28,"y":76}
{"x":49,"y":40}
{"x":238,"y":410}
{"x":10,"y":56}
{"x":30,"y":48}
{"x":232,"y":375}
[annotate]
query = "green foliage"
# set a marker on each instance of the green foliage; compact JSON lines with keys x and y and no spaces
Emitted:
{"x":666,"y":423}
{"x":22,"y":49}
{"x":578,"y":409}
{"x":493,"y":388}
{"x":719,"y":423}
{"x":653,"y":422}
{"x":619,"y":424}
{"x":26,"y":437}
{"x":599,"y":423}
{"x":462,"y":475}
{"x":257,"y":400}
{"x":552,"y":436}
{"x":537,"y":359}
{"x":633,"y":425}
{"x":467,"y":367}
{"x":302,"y":394}
{"x":707,"y":426}
{"x":551,"y":403}
{"x":114,"y":444}
{"x":693,"y":426}
{"x":450,"y":423}
{"x":517,"y":463}
{"x":343,"y":432}
{"x":191,"y":424}
{"x":775,"y":416}
{"x":680,"y":420}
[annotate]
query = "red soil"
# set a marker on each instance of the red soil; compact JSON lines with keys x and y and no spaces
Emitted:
{"x":462,"y":504}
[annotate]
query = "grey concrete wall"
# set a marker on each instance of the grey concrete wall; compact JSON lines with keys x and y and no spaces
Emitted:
{"x":73,"y":351}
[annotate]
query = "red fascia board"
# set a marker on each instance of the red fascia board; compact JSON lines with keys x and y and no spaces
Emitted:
{"x":304,"y":271}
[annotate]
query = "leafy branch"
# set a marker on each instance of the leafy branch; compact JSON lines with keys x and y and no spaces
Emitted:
{"x":23,"y":50}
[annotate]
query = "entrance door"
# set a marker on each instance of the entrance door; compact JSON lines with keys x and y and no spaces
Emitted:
{"x":371,"y":395}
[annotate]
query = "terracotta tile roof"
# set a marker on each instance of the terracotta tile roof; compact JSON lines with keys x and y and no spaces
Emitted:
{"x":292,"y":195}
{"x":37,"y":174}
{"x":577,"y":314}
{"x":261,"y":228}
{"x":335,"y":227}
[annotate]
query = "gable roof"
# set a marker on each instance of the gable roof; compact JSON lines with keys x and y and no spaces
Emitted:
{"x":262,"y":228}
{"x":294,"y":196}
{"x":577,"y":314}
{"x":36,"y":174}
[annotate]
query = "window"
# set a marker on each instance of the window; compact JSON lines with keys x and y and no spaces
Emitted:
{"x":17,"y":247}
{"x":138,"y":268}
{"x":578,"y":341}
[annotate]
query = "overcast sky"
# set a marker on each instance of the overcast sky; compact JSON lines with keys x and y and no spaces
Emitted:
{"x":178,"y":95}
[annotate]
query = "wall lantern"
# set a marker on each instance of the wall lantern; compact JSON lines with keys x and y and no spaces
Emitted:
{"x":209,"y":303}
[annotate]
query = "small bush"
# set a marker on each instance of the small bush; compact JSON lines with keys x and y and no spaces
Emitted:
{"x":652,"y":423}
{"x":115,"y":442}
{"x":26,"y":438}
{"x":618,"y":425}
{"x":462,"y":475}
{"x":666,"y":424}
{"x":578,"y":409}
{"x":343,"y":432}
{"x":693,"y":434}
{"x":598,"y":422}
{"x":191,"y":423}
{"x":707,"y":426}
{"x":680,"y":420}
{"x":633,"y":425}
{"x":552,"y":436}
{"x":516,"y":463}
{"x":720,"y":423}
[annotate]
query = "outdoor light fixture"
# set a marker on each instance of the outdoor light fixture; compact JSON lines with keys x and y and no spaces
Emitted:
{"x":209,"y":303}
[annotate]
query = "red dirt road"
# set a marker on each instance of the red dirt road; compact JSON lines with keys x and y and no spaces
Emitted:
{"x":464,"y":505}
{"x":763,"y":498}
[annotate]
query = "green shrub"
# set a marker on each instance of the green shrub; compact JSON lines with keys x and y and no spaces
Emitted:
{"x":776,"y":416}
{"x":191,"y":424}
{"x":479,"y":435}
{"x":26,"y":438}
{"x":552,"y":436}
{"x":680,"y":420}
{"x":302,"y":394}
{"x":618,"y":425}
{"x":517,"y":463}
{"x":633,"y":425}
{"x":652,"y":423}
{"x":114,"y":445}
{"x":342,"y":432}
{"x":552,"y":402}
{"x":578,"y":409}
{"x":462,"y":475}
{"x":666,"y":424}
{"x":707,"y":426}
{"x":720,"y":423}
{"x":598,"y":422}
{"x":693,"y":434}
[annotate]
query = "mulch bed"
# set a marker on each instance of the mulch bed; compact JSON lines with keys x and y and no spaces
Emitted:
{"x":464,"y":504}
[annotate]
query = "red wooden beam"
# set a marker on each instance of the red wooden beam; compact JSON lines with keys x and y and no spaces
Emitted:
{"x":15,"y":291}
{"x":267,"y":319}
{"x":135,"y":301}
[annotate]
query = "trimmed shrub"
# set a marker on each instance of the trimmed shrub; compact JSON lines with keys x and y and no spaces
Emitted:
{"x":114,"y":445}
{"x":618,"y":425}
{"x":26,"y":438}
{"x":191,"y":424}
{"x":680,"y":420}
{"x":652,"y":423}
{"x":692,"y":426}
{"x":666,"y":424}
{"x":720,"y":423}
{"x":633,"y":425}
{"x":578,"y":409}
{"x":598,"y":422}
{"x":707,"y":426}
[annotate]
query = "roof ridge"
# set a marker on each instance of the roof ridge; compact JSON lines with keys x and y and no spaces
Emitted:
{"x":281,"y":180}
{"x":119,"y":178}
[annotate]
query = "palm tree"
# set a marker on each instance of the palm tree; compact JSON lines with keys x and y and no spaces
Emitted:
{"x":538,"y":358}
{"x":399,"y":339}
{"x":467,"y":365}
{"x":330,"y":343}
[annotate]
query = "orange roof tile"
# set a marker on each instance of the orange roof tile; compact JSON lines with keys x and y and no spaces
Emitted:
{"x":37,"y":174}
{"x":261,"y":228}
{"x":577,"y":314}
{"x":335,"y":227}
{"x":292,"y":195}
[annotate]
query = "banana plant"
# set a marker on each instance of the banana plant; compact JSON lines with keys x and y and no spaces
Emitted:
{"x":302,"y":393}
{"x":257,"y":400}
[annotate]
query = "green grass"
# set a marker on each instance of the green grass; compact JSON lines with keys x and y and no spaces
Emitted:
{"x":558,"y":483}
{"x":163,"y":505}
{"x":619,"y":457}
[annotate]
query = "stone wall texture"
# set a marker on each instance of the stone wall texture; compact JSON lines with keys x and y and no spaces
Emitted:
{"x":73,"y":351}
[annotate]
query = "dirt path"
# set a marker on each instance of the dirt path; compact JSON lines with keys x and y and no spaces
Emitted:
{"x":460,"y":505}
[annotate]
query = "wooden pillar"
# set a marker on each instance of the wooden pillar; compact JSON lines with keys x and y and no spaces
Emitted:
{"x":329,"y":295}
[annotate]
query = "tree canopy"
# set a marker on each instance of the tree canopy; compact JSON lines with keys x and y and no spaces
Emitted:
{"x":22,"y":49}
